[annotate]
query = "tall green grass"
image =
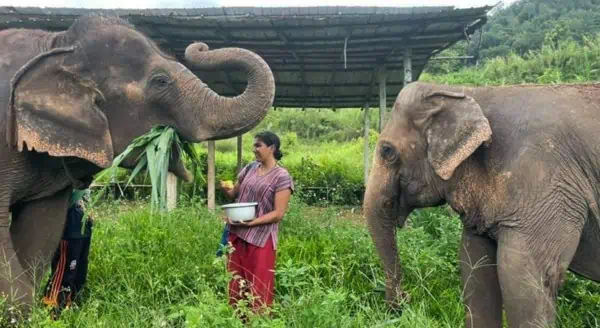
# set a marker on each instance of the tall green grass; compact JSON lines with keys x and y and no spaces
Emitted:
{"x":153,"y":271}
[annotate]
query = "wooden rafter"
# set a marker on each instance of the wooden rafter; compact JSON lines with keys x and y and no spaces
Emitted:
{"x":332,"y":86}
{"x":286,"y":41}
{"x":407,"y":21}
{"x":226,"y":36}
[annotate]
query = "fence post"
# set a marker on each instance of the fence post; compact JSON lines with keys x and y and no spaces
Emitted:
{"x":211,"y":175}
{"x":366,"y":144}
{"x":171,"y":191}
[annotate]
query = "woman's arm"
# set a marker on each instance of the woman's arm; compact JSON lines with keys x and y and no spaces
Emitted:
{"x":231,"y":193}
{"x":282,"y":199}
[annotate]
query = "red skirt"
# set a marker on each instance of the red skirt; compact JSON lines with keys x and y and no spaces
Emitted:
{"x":253,"y":271}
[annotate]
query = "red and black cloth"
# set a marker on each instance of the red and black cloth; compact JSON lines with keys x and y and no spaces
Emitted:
{"x":70,"y":261}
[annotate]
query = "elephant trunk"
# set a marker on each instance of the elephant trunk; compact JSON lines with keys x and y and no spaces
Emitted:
{"x":383,"y":218}
{"x":224,"y":117}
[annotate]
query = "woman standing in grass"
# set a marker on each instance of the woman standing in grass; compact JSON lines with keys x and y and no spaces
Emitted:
{"x":255,"y":242}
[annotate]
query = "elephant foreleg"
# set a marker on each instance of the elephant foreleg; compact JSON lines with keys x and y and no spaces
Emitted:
{"x":532,"y":268}
{"x":481,"y":290}
{"x":28,"y":241}
{"x":36,"y":231}
{"x":15,"y":285}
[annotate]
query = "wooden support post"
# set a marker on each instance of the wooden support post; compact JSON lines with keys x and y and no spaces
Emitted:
{"x":407,"y":66}
{"x":382,"y":96}
{"x":366,"y":143}
{"x":211,"y":175}
{"x":171,"y":191}
{"x":239,"y":153}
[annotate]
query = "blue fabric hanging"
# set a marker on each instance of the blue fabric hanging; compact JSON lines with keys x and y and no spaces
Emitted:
{"x":223,"y":242}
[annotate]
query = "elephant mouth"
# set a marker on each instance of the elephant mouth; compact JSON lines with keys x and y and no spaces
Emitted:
{"x":177,"y":167}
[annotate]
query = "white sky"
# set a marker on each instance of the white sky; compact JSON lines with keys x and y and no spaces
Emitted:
{"x":243,"y":3}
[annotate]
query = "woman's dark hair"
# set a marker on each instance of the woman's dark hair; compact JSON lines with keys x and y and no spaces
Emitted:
{"x":271,"y":139}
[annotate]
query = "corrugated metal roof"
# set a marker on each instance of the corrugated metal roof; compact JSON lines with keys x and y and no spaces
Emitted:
{"x":304,"y":46}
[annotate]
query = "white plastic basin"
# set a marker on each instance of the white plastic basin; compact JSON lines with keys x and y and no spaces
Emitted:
{"x":240,"y":212}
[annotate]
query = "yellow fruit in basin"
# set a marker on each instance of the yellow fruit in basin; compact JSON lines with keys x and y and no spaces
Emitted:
{"x":228,"y":184}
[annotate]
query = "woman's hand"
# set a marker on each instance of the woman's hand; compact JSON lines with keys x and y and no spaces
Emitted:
{"x":236,"y":223}
{"x":229,"y":188}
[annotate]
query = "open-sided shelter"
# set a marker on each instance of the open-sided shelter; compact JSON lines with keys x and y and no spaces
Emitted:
{"x":322,"y":57}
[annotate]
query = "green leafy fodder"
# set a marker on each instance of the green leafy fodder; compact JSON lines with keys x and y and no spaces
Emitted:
{"x":155,"y":153}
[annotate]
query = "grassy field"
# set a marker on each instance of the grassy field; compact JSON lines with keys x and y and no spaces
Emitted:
{"x":153,"y":271}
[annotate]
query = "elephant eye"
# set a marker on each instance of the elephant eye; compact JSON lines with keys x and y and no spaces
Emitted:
{"x":388,"y":153}
{"x":160,"y":80}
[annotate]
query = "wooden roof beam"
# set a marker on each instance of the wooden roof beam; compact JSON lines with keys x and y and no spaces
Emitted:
{"x":332,"y":55}
{"x":232,"y":85}
{"x":468,"y":29}
{"x":304,"y":89}
{"x":336,"y":38}
{"x":148,"y":26}
{"x":299,"y":49}
{"x":332,"y":87}
{"x":372,"y":84}
{"x":286,"y":41}
{"x":365,"y":67}
{"x":226,"y":36}
{"x":404,"y":21}
{"x":306,"y":45}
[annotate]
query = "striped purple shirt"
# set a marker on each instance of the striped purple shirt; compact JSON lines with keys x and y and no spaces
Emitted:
{"x":261,"y":189}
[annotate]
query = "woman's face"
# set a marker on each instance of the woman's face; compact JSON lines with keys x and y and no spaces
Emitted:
{"x":262,"y":152}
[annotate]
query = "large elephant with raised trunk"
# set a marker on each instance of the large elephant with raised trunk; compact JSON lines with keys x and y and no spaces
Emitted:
{"x":73,"y":100}
{"x":520,"y":165}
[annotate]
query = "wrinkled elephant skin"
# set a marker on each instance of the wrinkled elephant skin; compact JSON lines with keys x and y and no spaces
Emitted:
{"x":520,"y":165}
{"x":74,"y":100}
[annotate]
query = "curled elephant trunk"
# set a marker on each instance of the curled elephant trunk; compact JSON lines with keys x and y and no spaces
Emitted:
{"x":225,"y":117}
{"x":383,"y":218}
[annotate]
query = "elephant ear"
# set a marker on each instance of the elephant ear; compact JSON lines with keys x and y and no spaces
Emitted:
{"x":53,"y":109}
{"x":455,"y":127}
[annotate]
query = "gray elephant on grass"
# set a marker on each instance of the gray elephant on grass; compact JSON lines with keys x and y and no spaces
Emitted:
{"x":74,"y":100}
{"x":521,"y":165}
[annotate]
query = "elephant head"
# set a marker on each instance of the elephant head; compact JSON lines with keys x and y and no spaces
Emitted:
{"x":101,"y":83}
{"x":429,"y":138}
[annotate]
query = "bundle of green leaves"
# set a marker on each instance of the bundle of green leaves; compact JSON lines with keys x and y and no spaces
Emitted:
{"x":156,"y":147}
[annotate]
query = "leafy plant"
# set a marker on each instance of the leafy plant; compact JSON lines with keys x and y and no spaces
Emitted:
{"x":155,"y":154}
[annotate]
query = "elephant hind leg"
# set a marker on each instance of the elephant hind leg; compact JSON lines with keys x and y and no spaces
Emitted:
{"x":585,"y":262}
{"x":531,"y":270}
